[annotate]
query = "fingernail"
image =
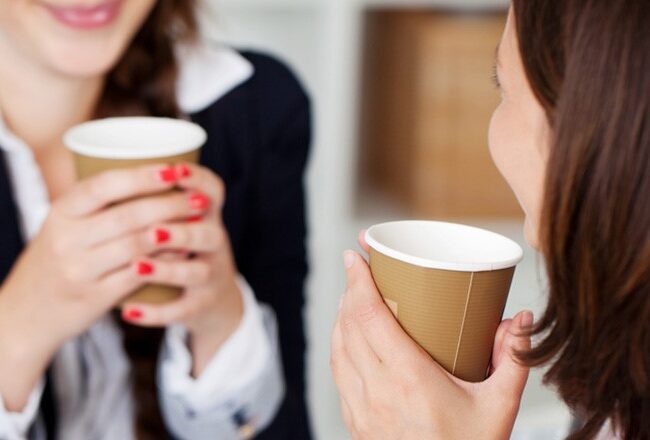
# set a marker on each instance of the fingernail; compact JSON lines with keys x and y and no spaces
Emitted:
{"x":144,"y":268}
{"x":132,"y":314}
{"x":162,"y":236}
{"x":183,"y":171}
{"x":526,"y":318}
{"x":348,"y":259}
{"x":199,"y":201}
{"x":196,"y":218}
{"x":167,"y":175}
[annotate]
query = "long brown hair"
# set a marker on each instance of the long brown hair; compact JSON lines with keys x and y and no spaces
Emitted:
{"x":144,"y":83}
{"x":588,"y":62}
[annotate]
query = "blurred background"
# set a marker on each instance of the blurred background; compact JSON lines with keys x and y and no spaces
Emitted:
{"x":402,"y":98}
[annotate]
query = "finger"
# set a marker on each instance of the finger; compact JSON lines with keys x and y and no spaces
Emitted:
{"x":364,"y":304}
{"x":198,"y":178}
{"x":181,"y":273}
{"x":510,"y":376}
{"x":162,"y":315}
{"x":201,"y":237}
{"x":114,"y":254}
{"x":117,"y":285}
{"x":362,"y":241}
{"x":359,"y":352}
{"x":346,"y":377}
{"x":97,"y":192}
{"x":144,"y":212}
{"x":497,"y":350}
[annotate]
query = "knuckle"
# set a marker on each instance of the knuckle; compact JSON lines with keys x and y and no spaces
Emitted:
{"x":73,"y":272}
{"x":363,"y":426}
{"x":135,"y":246}
{"x":367,"y":313}
{"x":185,"y":236}
{"x":411,"y":378}
{"x":203,"y":272}
{"x":125,"y":216}
{"x":96,"y":187}
{"x":212,"y":236}
{"x":347,"y":323}
{"x":335,"y":360}
{"x":60,"y":246}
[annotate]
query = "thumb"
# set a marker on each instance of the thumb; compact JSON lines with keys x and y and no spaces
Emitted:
{"x":356,"y":270}
{"x":510,"y":375}
{"x":361,"y":289}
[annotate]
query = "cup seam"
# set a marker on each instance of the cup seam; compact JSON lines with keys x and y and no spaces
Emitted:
{"x":462,"y":325}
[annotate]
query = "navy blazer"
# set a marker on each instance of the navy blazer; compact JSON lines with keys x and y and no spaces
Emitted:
{"x":258,"y":140}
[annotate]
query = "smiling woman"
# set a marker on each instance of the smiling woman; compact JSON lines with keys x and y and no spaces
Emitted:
{"x":79,"y":39}
{"x":225,"y":360}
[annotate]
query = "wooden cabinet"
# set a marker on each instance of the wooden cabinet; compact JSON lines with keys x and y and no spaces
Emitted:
{"x":427,"y":103}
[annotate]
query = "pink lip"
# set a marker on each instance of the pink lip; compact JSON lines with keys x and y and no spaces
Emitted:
{"x":86,"y":17}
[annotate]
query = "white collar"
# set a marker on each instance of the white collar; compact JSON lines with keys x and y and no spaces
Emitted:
{"x":208,"y":72}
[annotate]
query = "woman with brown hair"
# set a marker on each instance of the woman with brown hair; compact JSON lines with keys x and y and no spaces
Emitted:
{"x":572,"y":137}
{"x":226,"y":359}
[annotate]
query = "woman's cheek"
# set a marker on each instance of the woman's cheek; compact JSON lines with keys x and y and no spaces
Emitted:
{"x":504,"y":148}
{"x":498,"y":142}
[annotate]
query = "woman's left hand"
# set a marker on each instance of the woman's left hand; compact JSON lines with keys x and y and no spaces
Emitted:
{"x":211,"y":306}
{"x":392,"y":389}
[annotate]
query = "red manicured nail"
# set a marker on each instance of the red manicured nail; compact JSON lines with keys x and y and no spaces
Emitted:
{"x":132,"y":314}
{"x":195,"y":219}
{"x":167,"y":175}
{"x":183,"y":171}
{"x":199,"y":201}
{"x":144,"y":268}
{"x":162,"y":236}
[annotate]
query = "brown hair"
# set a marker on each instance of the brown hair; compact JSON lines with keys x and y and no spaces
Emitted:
{"x":144,"y":83}
{"x":588,"y":62}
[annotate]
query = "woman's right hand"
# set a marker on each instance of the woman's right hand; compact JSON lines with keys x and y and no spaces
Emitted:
{"x":82,"y":263}
{"x":391,"y":388}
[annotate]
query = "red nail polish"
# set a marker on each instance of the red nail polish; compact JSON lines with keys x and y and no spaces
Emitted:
{"x":167,"y":175}
{"x":199,"y":201}
{"x":144,"y":268}
{"x":162,"y":236}
{"x":195,"y":219}
{"x":132,"y":314}
{"x":183,"y":171}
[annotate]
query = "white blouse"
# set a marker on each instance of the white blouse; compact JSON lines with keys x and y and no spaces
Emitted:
{"x":242,"y":386}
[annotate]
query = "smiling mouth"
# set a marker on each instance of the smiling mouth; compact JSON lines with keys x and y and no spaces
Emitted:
{"x":85,"y":17}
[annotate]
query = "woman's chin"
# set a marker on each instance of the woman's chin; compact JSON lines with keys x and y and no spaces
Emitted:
{"x":83,"y":64}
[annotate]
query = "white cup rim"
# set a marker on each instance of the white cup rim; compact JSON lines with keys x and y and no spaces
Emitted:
{"x":117,"y":138}
{"x":506,"y":252}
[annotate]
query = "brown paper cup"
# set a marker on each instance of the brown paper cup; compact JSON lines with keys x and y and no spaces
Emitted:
{"x":114,"y":143}
{"x":447,"y":285}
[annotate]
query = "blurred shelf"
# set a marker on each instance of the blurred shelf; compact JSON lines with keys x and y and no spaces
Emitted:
{"x":269,"y":5}
{"x":437,"y":4}
{"x":353,"y":4}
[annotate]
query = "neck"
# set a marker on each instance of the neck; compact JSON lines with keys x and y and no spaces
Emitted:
{"x":38,"y":104}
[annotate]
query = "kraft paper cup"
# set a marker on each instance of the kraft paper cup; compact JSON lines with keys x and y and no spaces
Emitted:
{"x":447,"y":285}
{"x":129,"y":142}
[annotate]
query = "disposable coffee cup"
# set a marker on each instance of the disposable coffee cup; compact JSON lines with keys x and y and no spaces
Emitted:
{"x":130,"y":142}
{"x":447,"y":285}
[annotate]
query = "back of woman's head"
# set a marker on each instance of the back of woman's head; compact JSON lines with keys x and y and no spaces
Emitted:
{"x":588,"y":63}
